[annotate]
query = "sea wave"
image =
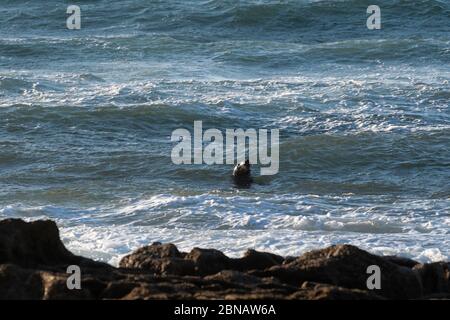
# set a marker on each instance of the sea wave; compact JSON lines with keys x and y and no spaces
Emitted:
{"x":263,"y":14}
{"x":230,"y":225}
{"x":86,"y":118}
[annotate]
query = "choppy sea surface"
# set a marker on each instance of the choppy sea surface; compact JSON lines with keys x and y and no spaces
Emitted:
{"x":86,"y":118}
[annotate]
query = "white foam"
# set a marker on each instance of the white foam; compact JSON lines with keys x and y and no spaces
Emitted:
{"x":232,"y":223}
{"x":111,"y":243}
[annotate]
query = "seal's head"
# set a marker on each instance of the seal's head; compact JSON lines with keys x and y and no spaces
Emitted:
{"x":242,"y":169}
{"x":242,"y":175}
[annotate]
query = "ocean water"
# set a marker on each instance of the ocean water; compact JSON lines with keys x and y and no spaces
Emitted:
{"x":86,"y":118}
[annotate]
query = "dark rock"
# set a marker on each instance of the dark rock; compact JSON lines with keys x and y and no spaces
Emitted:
{"x":435,"y":277}
{"x":208,"y":261}
{"x":37,"y":244}
{"x":166,"y":259}
{"x":320,"y":291}
{"x":236,"y":278}
{"x":55,"y":288}
{"x":401,"y":261}
{"x":257,"y":260}
{"x":289,"y":259}
{"x":159,"y":259}
{"x":119,"y":289}
{"x":33,"y":264}
{"x":19,"y":284}
{"x":166,"y":266}
{"x":32,"y":244}
{"x":141,"y":257}
{"x":346,"y":266}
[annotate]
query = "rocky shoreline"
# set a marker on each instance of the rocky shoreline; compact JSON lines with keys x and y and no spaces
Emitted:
{"x":34,"y":262}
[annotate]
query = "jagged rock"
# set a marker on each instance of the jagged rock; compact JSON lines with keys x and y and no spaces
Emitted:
{"x":320,"y":291}
{"x":435,"y":277}
{"x":166,"y":259}
{"x":33,"y":264}
{"x":20,"y":284}
{"x":211,"y":261}
{"x":346,"y":266}
{"x":401,"y":261}
{"x":208,"y":261}
{"x":32,"y":244}
{"x":235,"y":277}
{"x":159,"y":259}
{"x":119,"y":289}
{"x":28,"y":284}
{"x":55,"y":288}
{"x":230,"y":278}
{"x":36,"y":244}
{"x":257,"y":260}
{"x":142,"y":258}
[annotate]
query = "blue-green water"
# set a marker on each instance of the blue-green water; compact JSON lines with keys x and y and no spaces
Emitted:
{"x":86,"y":118}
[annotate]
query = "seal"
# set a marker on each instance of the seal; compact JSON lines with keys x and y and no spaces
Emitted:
{"x":242,"y":174}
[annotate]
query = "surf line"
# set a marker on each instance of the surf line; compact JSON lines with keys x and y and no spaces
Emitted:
{"x":191,"y":150}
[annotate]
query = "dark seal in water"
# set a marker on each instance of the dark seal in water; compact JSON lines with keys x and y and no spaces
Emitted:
{"x":242,"y":174}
